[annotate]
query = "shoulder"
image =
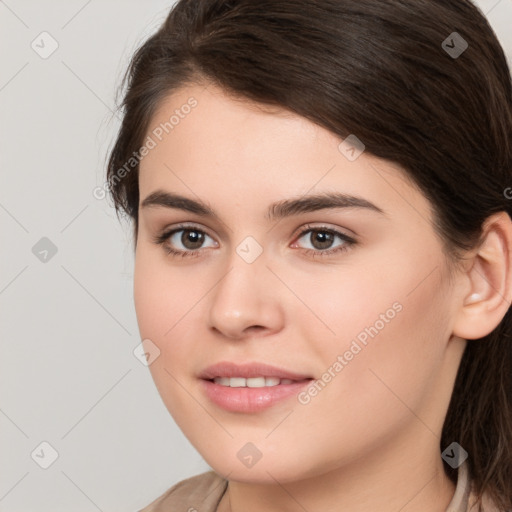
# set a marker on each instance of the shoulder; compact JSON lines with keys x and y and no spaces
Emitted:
{"x":200,"y":492}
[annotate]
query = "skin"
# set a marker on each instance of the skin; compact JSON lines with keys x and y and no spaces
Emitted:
{"x":370,"y":440}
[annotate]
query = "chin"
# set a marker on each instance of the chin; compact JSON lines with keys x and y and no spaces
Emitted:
{"x":265,"y":471}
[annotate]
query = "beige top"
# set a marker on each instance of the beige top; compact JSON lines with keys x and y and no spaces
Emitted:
{"x":202,"y":493}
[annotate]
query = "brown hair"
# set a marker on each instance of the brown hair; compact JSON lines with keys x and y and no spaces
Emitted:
{"x":384,"y":71}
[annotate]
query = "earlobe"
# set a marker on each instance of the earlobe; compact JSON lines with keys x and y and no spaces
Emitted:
{"x":490,"y":279}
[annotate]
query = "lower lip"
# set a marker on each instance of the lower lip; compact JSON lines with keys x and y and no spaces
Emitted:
{"x":250,"y":399}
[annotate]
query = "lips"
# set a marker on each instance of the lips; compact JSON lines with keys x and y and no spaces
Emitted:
{"x":244,"y":392}
{"x":231,"y":370}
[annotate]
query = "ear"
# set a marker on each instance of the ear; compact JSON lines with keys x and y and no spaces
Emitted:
{"x":488,"y":293}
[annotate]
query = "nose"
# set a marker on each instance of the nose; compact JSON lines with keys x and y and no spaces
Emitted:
{"x":247,"y":300}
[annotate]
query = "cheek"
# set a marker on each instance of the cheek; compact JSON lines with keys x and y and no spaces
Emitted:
{"x":169,"y":309}
{"x":160,"y":303}
{"x":382,"y":333}
{"x":162,"y":296}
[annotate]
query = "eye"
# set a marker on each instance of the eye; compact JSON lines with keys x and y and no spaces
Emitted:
{"x":322,"y":241}
{"x":184,"y":240}
{"x":188,"y":241}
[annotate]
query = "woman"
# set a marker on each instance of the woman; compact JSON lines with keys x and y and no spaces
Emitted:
{"x":320,"y":197}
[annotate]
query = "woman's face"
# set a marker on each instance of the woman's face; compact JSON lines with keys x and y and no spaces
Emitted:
{"x":275,"y":268}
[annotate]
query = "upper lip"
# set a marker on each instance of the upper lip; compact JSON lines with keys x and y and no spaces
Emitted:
{"x":248,"y":370}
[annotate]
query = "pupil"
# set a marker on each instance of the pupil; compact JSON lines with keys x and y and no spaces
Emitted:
{"x":323,"y":239}
{"x":192,"y":239}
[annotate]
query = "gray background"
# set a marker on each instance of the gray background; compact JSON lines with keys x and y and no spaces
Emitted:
{"x":68,"y":373}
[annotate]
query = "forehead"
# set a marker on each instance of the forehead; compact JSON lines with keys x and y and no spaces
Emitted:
{"x":209,"y":118}
{"x":213,"y":145}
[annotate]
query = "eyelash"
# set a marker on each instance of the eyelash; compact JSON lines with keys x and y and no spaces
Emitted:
{"x":163,"y":238}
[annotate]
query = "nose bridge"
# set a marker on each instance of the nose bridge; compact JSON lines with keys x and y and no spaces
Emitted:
{"x":246,"y":264}
{"x":242,"y":298}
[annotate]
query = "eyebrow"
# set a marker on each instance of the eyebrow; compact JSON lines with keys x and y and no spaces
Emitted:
{"x":276,"y":211}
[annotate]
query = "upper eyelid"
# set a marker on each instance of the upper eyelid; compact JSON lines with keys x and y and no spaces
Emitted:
{"x":191,"y":227}
{"x":324,"y":227}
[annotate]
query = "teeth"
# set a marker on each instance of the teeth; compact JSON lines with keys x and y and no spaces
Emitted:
{"x":256,"y":382}
{"x":237,"y":382}
{"x":252,"y":382}
{"x":223,"y":381}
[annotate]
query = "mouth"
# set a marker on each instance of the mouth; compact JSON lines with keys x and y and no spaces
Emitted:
{"x":250,"y":388}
